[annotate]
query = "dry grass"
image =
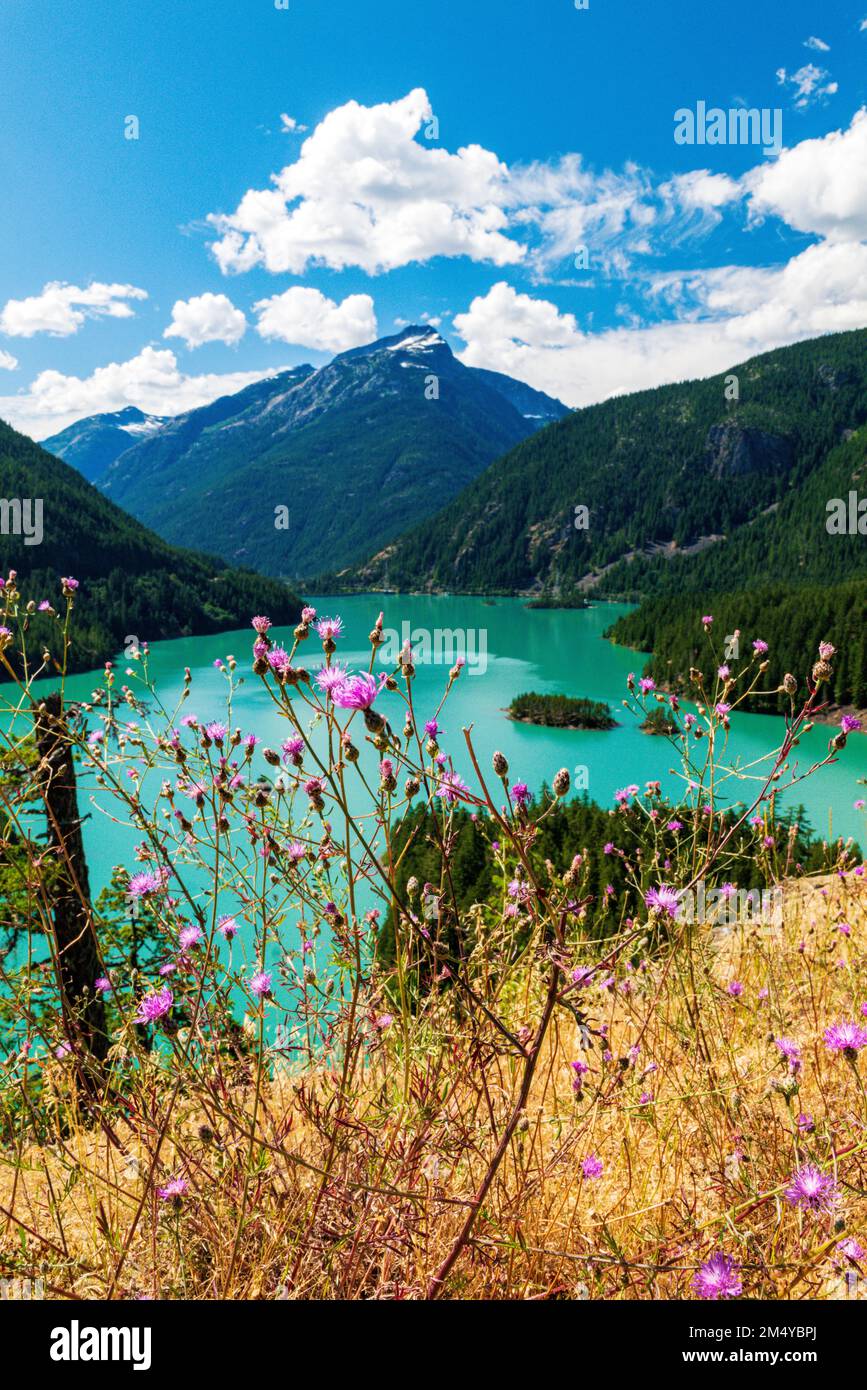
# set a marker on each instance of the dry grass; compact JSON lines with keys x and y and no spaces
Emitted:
{"x":362,"y":1197}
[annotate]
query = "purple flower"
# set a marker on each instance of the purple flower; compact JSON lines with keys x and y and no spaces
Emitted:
{"x":260,"y":984}
{"x":327,"y":677}
{"x":645,"y":685}
{"x":154,"y":1006}
{"x":308,"y":614}
{"x":826,"y":650}
{"x":811,"y":1189}
{"x":718,"y":1277}
{"x":736,"y":989}
{"x":216,"y":732}
{"x":805,"y":1123}
{"x":69,"y":585}
{"x":293,"y":749}
{"x":261,"y":624}
{"x":760,"y":647}
{"x":664,"y":899}
{"x":432,"y":728}
{"x":708,"y":619}
{"x":791,"y":1052}
{"x":453,"y":788}
{"x":521,"y":793}
{"x":847,"y":1038}
{"x":329,"y":629}
{"x":102,"y":985}
{"x":189,"y":936}
{"x":849,"y":724}
{"x":851,"y":1249}
{"x":174,"y":1191}
{"x":582,"y":975}
{"x":356,"y":692}
{"x":227,"y":927}
{"x":278,"y":660}
{"x":592,"y":1166}
{"x":149,"y":881}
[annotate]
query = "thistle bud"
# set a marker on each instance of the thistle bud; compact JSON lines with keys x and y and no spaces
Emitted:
{"x":561,"y":782}
{"x":501,"y":766}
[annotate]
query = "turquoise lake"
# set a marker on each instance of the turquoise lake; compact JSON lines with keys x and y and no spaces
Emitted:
{"x":543,"y":650}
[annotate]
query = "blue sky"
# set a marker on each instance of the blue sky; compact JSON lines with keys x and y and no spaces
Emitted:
{"x":555,"y":131}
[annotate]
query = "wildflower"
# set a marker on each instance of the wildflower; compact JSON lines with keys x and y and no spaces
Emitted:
{"x":521,"y":793}
{"x":227,"y":927}
{"x":851,"y":1249}
{"x":174,"y":1191}
{"x":102,"y":985}
{"x":308,"y":615}
{"x":663,"y":899}
{"x":722,"y":709}
{"x":189,"y":936}
{"x":260,"y":984}
{"x":826,"y":651}
{"x":811,"y":1189}
{"x":500,"y":765}
{"x":791,"y":1052}
{"x":724,"y":672}
{"x":432,"y":728}
{"x":150,"y":881}
{"x":760,"y":647}
{"x":847,"y":1038}
{"x":718,"y":1277}
{"x":327,"y":677}
{"x":453,"y":788}
{"x":736,"y":989}
{"x":216,"y":732}
{"x":645,"y":685}
{"x":278,"y":660}
{"x":293,"y":749}
{"x":592,"y":1166}
{"x":69,"y":586}
{"x":849,"y":724}
{"x":330,"y":629}
{"x":261,"y":625}
{"x":356,"y":692}
{"x":707,"y":620}
{"x":806,"y":1124}
{"x":296,"y":851}
{"x":154,"y":1006}
{"x":582,"y":975}
{"x":561,"y":782}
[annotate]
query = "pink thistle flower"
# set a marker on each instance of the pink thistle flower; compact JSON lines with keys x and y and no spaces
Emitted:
{"x":521,"y":794}
{"x":356,"y":692}
{"x":736,"y":989}
{"x":453,"y":788}
{"x":718,"y":1277}
{"x":663,"y":899}
{"x":154,"y":1006}
{"x":811,"y":1189}
{"x":227,"y":927}
{"x":327,"y":677}
{"x":260,"y":984}
{"x":174,"y":1191}
{"x":261,"y":625}
{"x":847,"y":1038}
{"x":330,"y":629}
{"x":592,"y":1167}
{"x":849,"y":724}
{"x":149,"y":881}
{"x":189,"y":937}
{"x":760,"y":647}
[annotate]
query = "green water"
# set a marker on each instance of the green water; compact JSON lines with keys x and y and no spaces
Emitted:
{"x":547,"y":651}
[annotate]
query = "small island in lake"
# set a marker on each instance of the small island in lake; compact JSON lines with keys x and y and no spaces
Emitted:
{"x":561,"y":712}
{"x":660,"y":721}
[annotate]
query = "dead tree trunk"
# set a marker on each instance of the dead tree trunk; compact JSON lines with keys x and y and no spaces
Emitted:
{"x":74,"y":934}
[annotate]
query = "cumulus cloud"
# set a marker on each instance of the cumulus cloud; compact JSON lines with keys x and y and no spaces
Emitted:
{"x":8,"y":363}
{"x":152,"y":381}
{"x":818,"y":45}
{"x":306,"y":317}
{"x":206,"y":318}
{"x":810,"y":84}
{"x":819,"y":185}
{"x":724,"y":316}
{"x":365,"y":192}
{"x":61,"y":309}
{"x":289,"y":125}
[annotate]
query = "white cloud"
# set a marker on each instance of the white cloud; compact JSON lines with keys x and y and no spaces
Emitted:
{"x":818,"y":45}
{"x":61,"y":309}
{"x":810,"y":83}
{"x":206,"y":318}
{"x":303,"y":316}
{"x":289,"y":125}
{"x":818,"y":186}
{"x":8,"y":363}
{"x":365,"y":192}
{"x":152,"y":381}
{"x":726,"y":316}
